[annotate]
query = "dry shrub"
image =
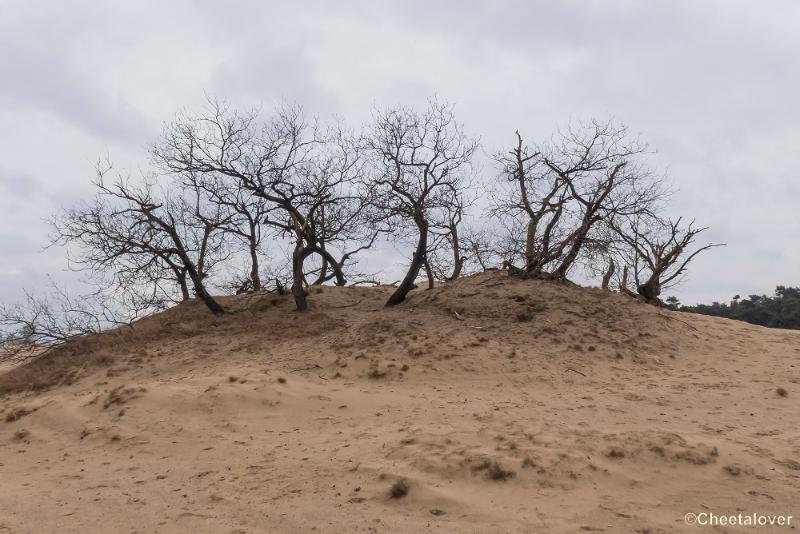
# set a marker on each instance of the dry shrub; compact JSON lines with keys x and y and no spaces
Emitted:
{"x":399,"y":489}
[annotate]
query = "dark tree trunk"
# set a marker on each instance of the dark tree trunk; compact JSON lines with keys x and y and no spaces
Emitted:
{"x":194,"y":272}
{"x":576,"y":243}
{"x":323,"y":273}
{"x":209,"y":301}
{"x":298,"y":291}
{"x":331,"y":263}
{"x":530,"y":235}
{"x":202,"y":293}
{"x":416,"y":264}
{"x":458,"y":261}
{"x":181,"y":279}
{"x":428,"y":273}
{"x":255,"y":278}
{"x":650,"y":290}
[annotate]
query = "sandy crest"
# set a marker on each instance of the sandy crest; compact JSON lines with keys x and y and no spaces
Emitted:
{"x":506,"y":406}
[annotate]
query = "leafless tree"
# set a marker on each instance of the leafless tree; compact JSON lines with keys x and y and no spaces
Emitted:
{"x":140,"y":239}
{"x":306,"y":174}
{"x":241,"y":214}
{"x":38,"y":323}
{"x":560,"y":192}
{"x":421,"y":164}
{"x":446,"y":256}
{"x":656,"y":254}
{"x":478,"y":250}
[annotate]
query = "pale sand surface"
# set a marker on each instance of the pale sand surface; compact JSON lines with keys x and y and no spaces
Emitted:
{"x":533,"y":408}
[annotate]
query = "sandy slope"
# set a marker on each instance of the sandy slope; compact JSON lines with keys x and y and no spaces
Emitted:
{"x":507,"y":406}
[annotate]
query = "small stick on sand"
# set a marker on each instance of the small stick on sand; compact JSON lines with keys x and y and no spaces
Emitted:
{"x":312,"y":366}
{"x":575,"y":371}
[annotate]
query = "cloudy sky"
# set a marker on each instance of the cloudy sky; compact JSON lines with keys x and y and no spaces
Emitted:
{"x":712,"y":85}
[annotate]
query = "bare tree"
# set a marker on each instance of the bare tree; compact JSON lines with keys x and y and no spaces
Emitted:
{"x":305,"y":174}
{"x":241,"y":214}
{"x":658,"y":253}
{"x":561,"y":191}
{"x":421,"y":163}
{"x":137,"y":238}
{"x":446,"y":255}
{"x":39,"y":323}
{"x":478,"y":251}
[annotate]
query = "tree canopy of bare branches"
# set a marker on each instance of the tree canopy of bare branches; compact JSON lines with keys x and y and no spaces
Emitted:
{"x":282,"y":202}
{"x":142,"y":239}
{"x":421,"y":163}
{"x":656,"y":254}
{"x":559,"y":193}
{"x":41,"y":322}
{"x":306,"y":175}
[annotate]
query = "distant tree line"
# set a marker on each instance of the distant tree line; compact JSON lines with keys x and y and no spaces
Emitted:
{"x":235,"y":201}
{"x":781,"y":310}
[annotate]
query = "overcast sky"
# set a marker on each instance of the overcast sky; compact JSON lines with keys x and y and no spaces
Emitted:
{"x":713,"y":86}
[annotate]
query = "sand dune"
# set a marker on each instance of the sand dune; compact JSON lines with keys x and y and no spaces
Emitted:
{"x":486,"y":405}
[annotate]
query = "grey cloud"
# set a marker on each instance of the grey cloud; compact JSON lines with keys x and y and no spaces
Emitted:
{"x":19,"y":186}
{"x":711,"y":85}
{"x":44,"y":83}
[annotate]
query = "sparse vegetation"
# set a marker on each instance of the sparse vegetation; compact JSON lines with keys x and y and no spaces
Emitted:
{"x":121,"y":395}
{"x":493,"y":470}
{"x":399,"y":489}
{"x":228,"y":189}
{"x":733,"y":469}
{"x":15,"y":414}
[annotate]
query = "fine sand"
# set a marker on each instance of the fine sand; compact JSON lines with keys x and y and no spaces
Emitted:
{"x":486,"y":405}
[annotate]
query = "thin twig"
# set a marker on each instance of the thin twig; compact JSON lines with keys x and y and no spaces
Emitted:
{"x":575,"y":371}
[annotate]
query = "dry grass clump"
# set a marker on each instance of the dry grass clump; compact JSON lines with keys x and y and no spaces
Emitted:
{"x":399,"y":489}
{"x":733,"y":469}
{"x":18,"y":413}
{"x":494,"y":471}
{"x":121,"y":395}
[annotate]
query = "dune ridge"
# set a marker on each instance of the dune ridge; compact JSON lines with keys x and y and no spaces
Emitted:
{"x":488,"y":404}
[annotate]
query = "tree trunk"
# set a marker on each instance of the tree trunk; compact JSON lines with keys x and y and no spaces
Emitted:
{"x":608,"y":275}
{"x":413,"y":270}
{"x":578,"y":238}
{"x":428,"y":272}
{"x":298,"y":291}
{"x":458,"y":261}
{"x":181,"y":278}
{"x":650,"y":290}
{"x":202,"y":293}
{"x":195,"y":272}
{"x":199,"y":286}
{"x":530,"y":236}
{"x":255,"y":278}
{"x":209,"y":301}
{"x":332,"y":265}
{"x":323,"y":273}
